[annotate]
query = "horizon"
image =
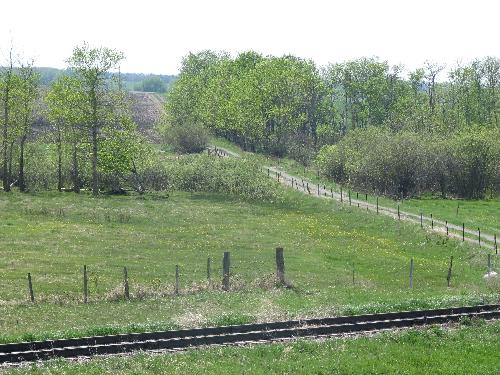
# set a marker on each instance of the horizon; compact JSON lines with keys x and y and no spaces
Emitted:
{"x":155,"y":37}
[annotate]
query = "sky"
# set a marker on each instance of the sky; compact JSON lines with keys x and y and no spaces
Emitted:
{"x":155,"y":35}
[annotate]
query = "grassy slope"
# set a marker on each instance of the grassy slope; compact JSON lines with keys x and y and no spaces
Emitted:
{"x":461,"y":350}
{"x":484,"y":214}
{"x":52,"y":235}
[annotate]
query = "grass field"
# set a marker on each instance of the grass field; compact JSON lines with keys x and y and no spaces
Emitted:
{"x":459,"y":349}
{"x":53,"y":235}
{"x":483,"y":214}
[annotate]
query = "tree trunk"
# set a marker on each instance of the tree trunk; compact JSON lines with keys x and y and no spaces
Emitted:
{"x":59,"y":161}
{"x":95,"y":177}
{"x":22,"y":182}
{"x":5,"y":177}
{"x":9,"y":173}
{"x":76,"y":177}
{"x":95,"y":125}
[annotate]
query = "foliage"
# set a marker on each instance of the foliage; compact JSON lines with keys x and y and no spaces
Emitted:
{"x":406,"y":163}
{"x":152,"y":83}
{"x":255,"y":101}
{"x":187,"y":138}
{"x":233,"y":176}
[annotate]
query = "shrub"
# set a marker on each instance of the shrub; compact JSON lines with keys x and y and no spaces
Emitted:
{"x":187,"y":138}
{"x":234,"y":176}
{"x":406,"y":163}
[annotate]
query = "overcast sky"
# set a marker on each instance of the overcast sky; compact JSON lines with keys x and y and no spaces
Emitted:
{"x":155,"y":35}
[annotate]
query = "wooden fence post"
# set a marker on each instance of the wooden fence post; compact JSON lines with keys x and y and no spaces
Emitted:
{"x":225,"y":271}
{"x":463,"y":232}
{"x":447,"y":230}
{"x":318,"y":189}
{"x":176,"y":280}
{"x":85,"y":284}
{"x":496,"y":248}
{"x":341,"y":197}
{"x":479,"y":235}
{"x":280,"y":266}
{"x":399,"y":215}
{"x":448,"y":278}
{"x":30,"y":288}
{"x":432,"y":222}
{"x":411,"y":273}
{"x":125,"y":283}
{"x":421,"y":220}
{"x":349,"y":197}
{"x":377,"y":204}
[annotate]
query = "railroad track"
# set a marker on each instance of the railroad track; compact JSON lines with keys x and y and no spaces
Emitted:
{"x":238,"y":334}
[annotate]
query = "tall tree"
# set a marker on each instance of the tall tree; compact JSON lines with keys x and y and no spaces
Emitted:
{"x":66,"y":111}
{"x":92,"y":66}
{"x":7,"y":86}
{"x":28,"y":95}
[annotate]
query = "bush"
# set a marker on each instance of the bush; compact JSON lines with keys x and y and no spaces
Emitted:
{"x":234,"y":176}
{"x":187,"y":138}
{"x":406,"y":164}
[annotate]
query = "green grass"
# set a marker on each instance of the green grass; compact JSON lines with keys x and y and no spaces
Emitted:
{"x":53,"y":235}
{"x":462,"y":349}
{"x":483,"y":214}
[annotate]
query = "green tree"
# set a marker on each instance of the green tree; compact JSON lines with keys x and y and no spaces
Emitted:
{"x":28,"y":93}
{"x":66,"y":111}
{"x":91,"y":66}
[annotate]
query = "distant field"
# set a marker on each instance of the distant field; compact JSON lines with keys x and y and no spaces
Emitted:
{"x":461,"y":349}
{"x":53,"y":235}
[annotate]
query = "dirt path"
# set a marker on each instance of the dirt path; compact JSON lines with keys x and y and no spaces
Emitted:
{"x":436,"y":225}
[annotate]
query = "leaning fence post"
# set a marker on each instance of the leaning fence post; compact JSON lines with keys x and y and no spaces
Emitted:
{"x":280,"y":266}
{"x":448,"y":278}
{"x":125,"y":283}
{"x":30,"y":287}
{"x":85,"y":284}
{"x":225,"y":271}
{"x":176,"y":279}
{"x":411,"y":273}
